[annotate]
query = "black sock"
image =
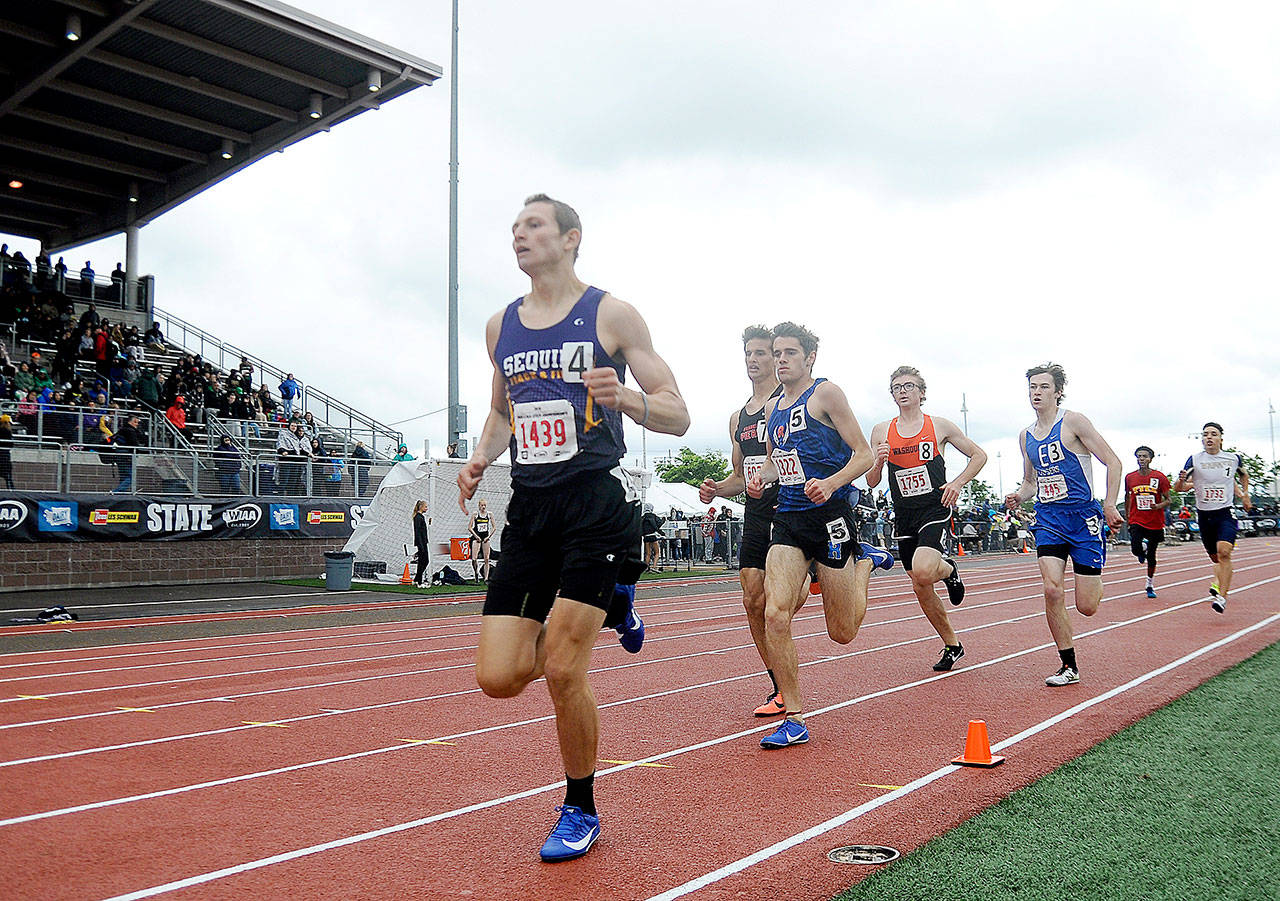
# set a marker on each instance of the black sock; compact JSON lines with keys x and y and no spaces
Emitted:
{"x":579,"y":793}
{"x":773,"y":680}
{"x":1068,"y":656}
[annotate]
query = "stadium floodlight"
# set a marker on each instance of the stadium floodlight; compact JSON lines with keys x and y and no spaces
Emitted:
{"x":374,"y":81}
{"x":73,"y":27}
{"x":15,"y":184}
{"x":133,"y":192}
{"x":227,"y":148}
{"x":316,"y":109}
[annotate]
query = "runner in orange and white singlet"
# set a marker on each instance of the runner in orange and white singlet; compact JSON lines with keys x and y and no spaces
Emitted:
{"x":912,"y":444}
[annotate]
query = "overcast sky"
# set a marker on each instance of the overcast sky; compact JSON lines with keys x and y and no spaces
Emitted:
{"x":970,"y":188}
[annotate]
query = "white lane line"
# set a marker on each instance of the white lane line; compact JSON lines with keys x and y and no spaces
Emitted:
{"x":504,"y":726}
{"x":848,"y":816}
{"x":645,"y":662}
{"x":449,"y":814}
{"x":44,"y":693}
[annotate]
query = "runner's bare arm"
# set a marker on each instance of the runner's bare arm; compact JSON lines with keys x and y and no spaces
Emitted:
{"x":1028,"y":487}
{"x":829,"y":402}
{"x":495,"y":437}
{"x":1080,"y":426}
{"x":658,"y":405}
{"x":947,"y":432}
{"x":880,"y":446}
{"x":1243,"y":491}
{"x":1162,"y":498}
{"x":733,"y":484}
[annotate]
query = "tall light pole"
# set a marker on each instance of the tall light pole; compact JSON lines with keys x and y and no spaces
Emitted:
{"x":1000,"y":468}
{"x":456,"y":427}
{"x":1271,"y":418}
{"x":964,"y":410}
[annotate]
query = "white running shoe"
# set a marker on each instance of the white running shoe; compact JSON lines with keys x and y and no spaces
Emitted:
{"x":1065,"y":676}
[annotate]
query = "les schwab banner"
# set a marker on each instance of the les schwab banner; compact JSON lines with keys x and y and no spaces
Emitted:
{"x":140,"y":518}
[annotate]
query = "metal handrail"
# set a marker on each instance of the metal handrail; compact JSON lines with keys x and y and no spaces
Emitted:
{"x":311,"y":396}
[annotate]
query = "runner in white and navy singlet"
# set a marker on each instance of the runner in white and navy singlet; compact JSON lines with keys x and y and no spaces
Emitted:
{"x":1066,"y":512}
{"x":1214,"y":473}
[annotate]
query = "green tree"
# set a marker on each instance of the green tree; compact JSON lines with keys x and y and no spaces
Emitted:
{"x":978,"y":492}
{"x":1257,"y":470}
{"x":692,"y":468}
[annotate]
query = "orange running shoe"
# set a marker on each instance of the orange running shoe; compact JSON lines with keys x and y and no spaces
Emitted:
{"x":772,"y":707}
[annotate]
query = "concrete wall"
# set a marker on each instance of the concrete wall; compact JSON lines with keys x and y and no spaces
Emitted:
{"x":92,"y":564}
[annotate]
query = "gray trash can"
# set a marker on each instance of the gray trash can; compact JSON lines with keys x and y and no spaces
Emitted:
{"x":337,"y":570}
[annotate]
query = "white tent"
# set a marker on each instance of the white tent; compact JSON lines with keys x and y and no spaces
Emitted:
{"x":665,"y":495}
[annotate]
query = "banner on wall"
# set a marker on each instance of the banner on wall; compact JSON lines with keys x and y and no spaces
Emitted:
{"x":111,"y":517}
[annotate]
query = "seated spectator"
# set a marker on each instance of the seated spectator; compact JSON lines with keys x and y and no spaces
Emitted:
{"x":29,"y":411}
{"x":177,"y":414}
{"x":42,"y":379}
{"x":154,"y":338}
{"x":89,"y":319}
{"x":147,"y":388}
{"x":24,"y":379}
{"x":310,"y":426}
{"x":402,"y":454}
{"x":227,"y":462}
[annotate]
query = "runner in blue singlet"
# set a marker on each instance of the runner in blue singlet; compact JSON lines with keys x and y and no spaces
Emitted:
{"x":815,"y":450}
{"x":1057,"y":457}
{"x":557,"y":402}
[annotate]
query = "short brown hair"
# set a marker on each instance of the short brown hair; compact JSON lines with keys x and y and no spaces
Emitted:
{"x":911,"y":371}
{"x":808,"y":340}
{"x":566,"y":216}
{"x":1051,"y":369}
{"x":756,"y":333}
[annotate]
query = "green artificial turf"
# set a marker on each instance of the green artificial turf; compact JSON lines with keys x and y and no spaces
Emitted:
{"x":1181,"y":805}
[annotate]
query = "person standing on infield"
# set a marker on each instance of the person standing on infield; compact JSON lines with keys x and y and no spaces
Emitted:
{"x":746,"y":435}
{"x":1214,"y":472}
{"x":815,"y":450}
{"x":1057,"y":464}
{"x":559,"y":355}
{"x":1146,"y":494}
{"x":912,"y":444}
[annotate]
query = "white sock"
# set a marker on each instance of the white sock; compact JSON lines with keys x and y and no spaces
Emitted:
{"x":1150,"y":583}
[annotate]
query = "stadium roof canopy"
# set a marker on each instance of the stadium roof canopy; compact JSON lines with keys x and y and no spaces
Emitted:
{"x":139,"y":111}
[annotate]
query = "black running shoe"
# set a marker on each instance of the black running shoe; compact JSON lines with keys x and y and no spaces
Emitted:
{"x":955,"y":587}
{"x":949,"y":657}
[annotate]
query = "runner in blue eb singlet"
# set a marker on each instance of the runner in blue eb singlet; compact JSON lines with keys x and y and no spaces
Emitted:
{"x":1057,"y":459}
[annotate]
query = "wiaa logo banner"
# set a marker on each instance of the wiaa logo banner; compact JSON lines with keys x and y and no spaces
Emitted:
{"x":245,"y":516}
{"x":12,"y":514}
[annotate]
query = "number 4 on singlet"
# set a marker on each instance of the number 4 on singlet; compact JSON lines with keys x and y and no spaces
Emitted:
{"x":576,"y":357}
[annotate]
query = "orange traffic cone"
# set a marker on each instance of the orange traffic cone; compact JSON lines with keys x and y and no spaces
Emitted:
{"x":960,"y":549}
{"x":406,"y":579}
{"x":977,"y":748}
{"x":1024,"y":548}
{"x":815,"y":587}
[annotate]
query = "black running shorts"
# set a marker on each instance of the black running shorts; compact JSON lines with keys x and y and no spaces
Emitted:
{"x":756,"y":529}
{"x":824,"y":534}
{"x":1215,"y":526}
{"x":569,"y":541}
{"x":927,"y":527}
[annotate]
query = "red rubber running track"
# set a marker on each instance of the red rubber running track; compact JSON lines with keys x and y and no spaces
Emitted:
{"x":361,"y":761}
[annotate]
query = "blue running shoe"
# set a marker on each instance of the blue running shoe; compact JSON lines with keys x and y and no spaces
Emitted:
{"x":1151,"y":592}
{"x":573,"y":836}
{"x":879,"y":559}
{"x":789,"y":733}
{"x":631,"y":629}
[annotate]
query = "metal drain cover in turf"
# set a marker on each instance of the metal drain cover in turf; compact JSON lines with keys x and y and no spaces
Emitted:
{"x":863,"y":854}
